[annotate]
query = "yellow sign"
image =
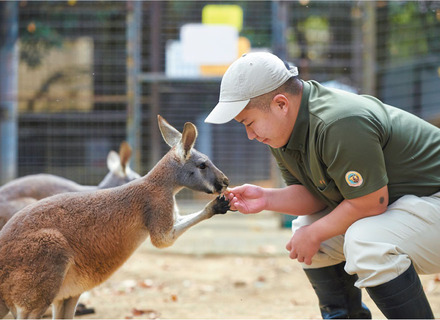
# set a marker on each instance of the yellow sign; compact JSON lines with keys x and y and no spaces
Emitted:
{"x":229,"y":14}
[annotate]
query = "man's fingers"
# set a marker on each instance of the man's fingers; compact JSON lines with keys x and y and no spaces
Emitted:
{"x":293,"y":255}
{"x":238,"y":205}
{"x":234,"y":190}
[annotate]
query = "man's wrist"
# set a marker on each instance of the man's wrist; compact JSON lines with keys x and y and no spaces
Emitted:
{"x":267,"y":197}
{"x":316,"y":234}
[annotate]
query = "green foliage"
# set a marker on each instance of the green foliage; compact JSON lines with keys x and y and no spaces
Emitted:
{"x":41,"y":33}
{"x":36,"y":42}
{"x":409,"y":35}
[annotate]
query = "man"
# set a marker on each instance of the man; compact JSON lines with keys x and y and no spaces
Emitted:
{"x":363,"y":177}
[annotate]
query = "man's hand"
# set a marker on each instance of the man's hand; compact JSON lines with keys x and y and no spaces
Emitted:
{"x":306,"y":241}
{"x":247,"y":198}
{"x":303,"y":245}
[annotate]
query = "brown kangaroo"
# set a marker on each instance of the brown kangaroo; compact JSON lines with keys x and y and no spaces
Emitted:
{"x":54,"y":250}
{"x":18,"y":193}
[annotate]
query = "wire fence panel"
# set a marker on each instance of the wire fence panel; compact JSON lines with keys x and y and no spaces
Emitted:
{"x":73,"y":88}
{"x":191,"y":99}
{"x":409,"y":56}
{"x":320,"y":39}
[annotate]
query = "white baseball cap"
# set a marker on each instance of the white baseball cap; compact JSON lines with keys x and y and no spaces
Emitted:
{"x":250,"y":76}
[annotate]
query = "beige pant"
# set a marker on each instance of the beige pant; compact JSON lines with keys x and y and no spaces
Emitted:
{"x":380,"y":248}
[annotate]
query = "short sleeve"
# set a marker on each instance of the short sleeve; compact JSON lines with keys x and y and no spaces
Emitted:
{"x":352,"y":152}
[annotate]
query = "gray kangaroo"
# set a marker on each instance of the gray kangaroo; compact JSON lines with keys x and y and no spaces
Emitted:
{"x":54,"y":250}
{"x":18,"y":193}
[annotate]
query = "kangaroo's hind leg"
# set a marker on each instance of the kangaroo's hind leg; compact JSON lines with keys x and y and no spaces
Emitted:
{"x":42,"y":270}
{"x":65,"y":309}
{"x":34,"y":314}
{"x":4,"y":310}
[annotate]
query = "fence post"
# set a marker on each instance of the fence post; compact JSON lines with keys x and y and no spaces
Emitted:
{"x":280,"y":22}
{"x":133,"y":48}
{"x":8,"y":90}
{"x":369,"y":47}
{"x":155,"y":50}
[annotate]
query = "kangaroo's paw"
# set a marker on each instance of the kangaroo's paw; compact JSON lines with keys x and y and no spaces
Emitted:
{"x":220,"y":205}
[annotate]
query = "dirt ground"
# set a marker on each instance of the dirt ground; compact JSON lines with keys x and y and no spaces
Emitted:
{"x":173,"y":286}
{"x":230,"y":267}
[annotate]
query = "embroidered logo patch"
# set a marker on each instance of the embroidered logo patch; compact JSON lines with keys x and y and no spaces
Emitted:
{"x":353,"y":178}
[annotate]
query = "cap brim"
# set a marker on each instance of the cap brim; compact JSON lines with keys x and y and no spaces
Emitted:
{"x":226,"y":111}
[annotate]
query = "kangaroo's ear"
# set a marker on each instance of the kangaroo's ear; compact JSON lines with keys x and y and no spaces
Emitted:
{"x":124,"y":154}
{"x":189,"y":136}
{"x":169,"y":133}
{"x":113,"y":161}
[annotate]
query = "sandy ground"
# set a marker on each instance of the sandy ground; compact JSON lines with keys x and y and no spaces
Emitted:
{"x":172,"y":286}
{"x":230,"y":267}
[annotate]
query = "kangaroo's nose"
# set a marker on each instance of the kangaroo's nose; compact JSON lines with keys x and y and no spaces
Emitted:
{"x":221,"y":184}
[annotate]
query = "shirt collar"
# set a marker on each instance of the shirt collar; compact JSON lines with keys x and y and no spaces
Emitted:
{"x":300,"y":131}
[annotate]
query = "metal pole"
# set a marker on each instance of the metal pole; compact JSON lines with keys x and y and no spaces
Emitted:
{"x":279,"y":28}
{"x":155,"y":49}
{"x":357,"y":62}
{"x":369,"y":47}
{"x":133,"y":48}
{"x":280,"y":21}
{"x":8,"y":90}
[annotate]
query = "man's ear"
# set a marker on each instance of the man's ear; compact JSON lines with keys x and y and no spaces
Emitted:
{"x":280,"y":103}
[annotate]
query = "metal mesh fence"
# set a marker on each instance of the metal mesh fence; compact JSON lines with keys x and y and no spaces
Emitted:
{"x":409,"y":56}
{"x":320,"y":39}
{"x":73,"y":74}
{"x":191,"y":98}
{"x":71,"y":87}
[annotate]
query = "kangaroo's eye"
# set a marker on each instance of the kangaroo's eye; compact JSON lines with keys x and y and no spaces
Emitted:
{"x":202,"y":166}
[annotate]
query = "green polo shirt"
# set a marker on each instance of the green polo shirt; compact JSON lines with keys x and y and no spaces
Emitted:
{"x":345,"y":146}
